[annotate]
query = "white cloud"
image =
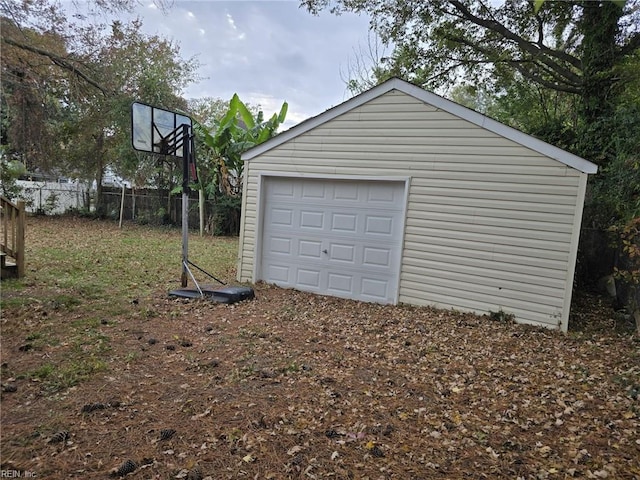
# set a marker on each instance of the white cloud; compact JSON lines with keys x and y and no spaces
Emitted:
{"x":266,"y":51}
{"x":231,"y":22}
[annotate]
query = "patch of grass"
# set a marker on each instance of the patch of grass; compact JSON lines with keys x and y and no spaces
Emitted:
{"x":90,"y":291}
{"x":15,"y":302}
{"x":43,"y":372}
{"x":56,"y":378}
{"x":40,"y":339}
{"x":132,"y":357}
{"x":86,"y":323}
{"x":90,"y":340}
{"x":64,"y":302}
{"x":13,"y":284}
{"x":77,"y":371}
{"x":242,"y":373}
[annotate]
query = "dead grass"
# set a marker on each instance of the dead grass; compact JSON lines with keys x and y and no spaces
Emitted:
{"x":291,"y":385}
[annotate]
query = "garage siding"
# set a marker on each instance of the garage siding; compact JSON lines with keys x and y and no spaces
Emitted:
{"x":489,"y":222}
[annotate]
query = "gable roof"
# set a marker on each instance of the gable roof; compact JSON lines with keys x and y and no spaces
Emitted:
{"x":437,"y":101}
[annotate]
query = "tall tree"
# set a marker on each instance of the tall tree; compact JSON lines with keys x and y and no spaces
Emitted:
{"x":88,"y":73}
{"x":572,"y":47}
{"x":30,"y":98}
{"x":134,"y":66}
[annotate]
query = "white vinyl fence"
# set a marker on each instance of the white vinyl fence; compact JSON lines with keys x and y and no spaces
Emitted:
{"x":53,"y":198}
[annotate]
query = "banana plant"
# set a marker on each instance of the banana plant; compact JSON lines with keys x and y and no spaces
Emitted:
{"x":236,"y":132}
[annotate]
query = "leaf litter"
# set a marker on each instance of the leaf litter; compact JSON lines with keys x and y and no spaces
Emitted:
{"x":294,"y":385}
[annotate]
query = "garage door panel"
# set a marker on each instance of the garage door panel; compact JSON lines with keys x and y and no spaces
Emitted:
{"x":313,"y":190}
{"x":344,"y":237}
{"x":281,"y":190}
{"x":376,"y":257}
{"x":340,"y":284}
{"x":311,"y":219}
{"x":281,"y":217}
{"x":346,"y":192}
{"x":383,"y":194}
{"x":342,"y":253}
{"x":278,"y":273}
{"x":344,"y":222}
{"x":280,"y":245}
{"x":310,"y":249}
{"x":374,"y":288}
{"x":379,"y":225}
{"x":308,"y":278}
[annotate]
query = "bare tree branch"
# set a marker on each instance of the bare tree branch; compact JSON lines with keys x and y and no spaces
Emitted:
{"x":560,"y":79}
{"x":499,"y":28}
{"x":59,"y":61}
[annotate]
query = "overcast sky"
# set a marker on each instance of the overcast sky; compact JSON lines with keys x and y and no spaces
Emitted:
{"x":266,"y":51}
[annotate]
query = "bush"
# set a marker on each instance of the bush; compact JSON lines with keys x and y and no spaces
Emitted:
{"x":226,"y":219}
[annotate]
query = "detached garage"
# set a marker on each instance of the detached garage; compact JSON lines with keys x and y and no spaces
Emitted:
{"x":399,"y":195}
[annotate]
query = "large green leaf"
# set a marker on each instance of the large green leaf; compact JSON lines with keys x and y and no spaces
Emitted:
{"x":283,"y":112}
{"x":236,"y":106}
{"x":229,"y":117}
{"x":204,"y":133}
{"x":230,"y":139}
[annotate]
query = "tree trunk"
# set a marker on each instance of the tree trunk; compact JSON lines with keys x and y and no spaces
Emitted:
{"x":100,"y":206}
{"x":599,"y":25}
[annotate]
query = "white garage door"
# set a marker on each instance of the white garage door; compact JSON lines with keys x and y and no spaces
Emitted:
{"x":334,"y":237}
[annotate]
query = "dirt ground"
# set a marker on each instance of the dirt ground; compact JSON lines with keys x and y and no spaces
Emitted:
{"x":293,"y":385}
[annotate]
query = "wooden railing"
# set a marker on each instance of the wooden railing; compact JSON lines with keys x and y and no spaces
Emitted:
{"x":12,"y":235}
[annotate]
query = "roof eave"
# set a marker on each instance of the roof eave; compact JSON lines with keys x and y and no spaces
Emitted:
{"x":437,"y":101}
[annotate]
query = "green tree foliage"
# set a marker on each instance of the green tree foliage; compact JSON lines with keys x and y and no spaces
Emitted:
{"x":207,"y":113}
{"x":571,"y":47}
{"x":72,"y":84}
{"x":30,"y":96}
{"x":10,"y":171}
{"x":133,"y":66}
{"x":566,"y":72}
{"x":615,"y":193}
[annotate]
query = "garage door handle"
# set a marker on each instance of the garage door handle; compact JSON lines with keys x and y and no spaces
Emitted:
{"x":325,"y":251}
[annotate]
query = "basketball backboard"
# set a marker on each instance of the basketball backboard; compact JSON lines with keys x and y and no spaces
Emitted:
{"x":150,"y":125}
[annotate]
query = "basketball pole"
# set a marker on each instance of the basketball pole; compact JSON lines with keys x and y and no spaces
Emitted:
{"x":186,"y":152}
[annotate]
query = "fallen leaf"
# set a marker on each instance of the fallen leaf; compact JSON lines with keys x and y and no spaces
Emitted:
{"x":293,"y":450}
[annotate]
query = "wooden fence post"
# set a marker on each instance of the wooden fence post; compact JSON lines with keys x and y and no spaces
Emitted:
{"x":19,"y":246}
